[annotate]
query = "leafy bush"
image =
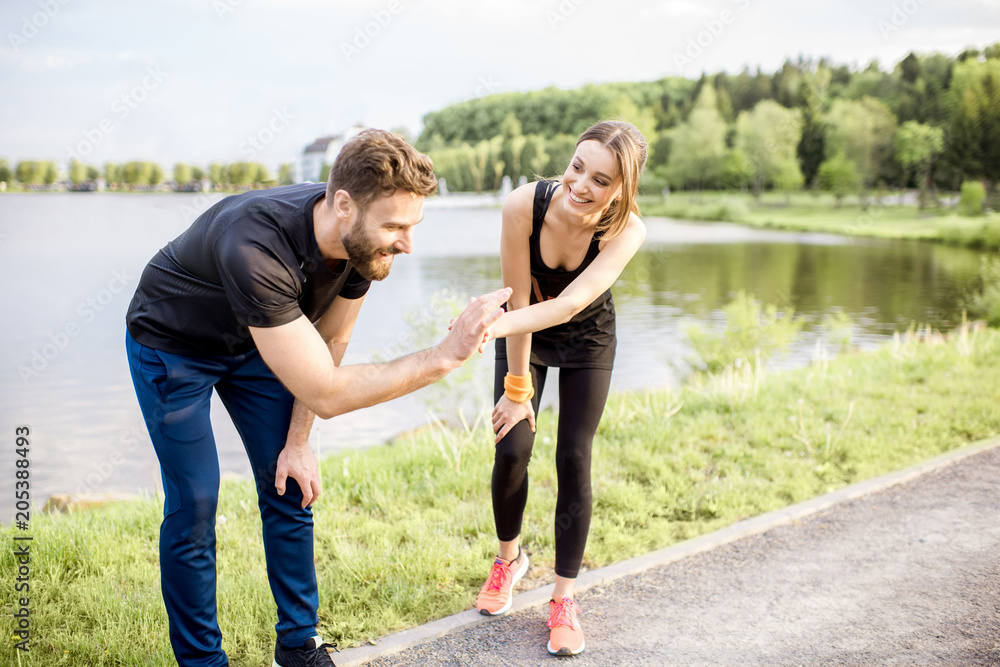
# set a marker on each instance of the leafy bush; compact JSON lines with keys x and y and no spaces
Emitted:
{"x":971,"y":201}
{"x":753,"y":333}
{"x":984,"y":303}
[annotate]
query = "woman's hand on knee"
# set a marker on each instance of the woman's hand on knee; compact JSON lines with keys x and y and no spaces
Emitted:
{"x":507,"y":414}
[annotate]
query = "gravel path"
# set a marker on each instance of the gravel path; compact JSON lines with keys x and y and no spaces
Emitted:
{"x":909,"y":575}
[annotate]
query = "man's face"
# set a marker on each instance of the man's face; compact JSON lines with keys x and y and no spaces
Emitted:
{"x":381,"y":231}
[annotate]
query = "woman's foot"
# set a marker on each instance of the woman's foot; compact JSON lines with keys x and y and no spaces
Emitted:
{"x":565,"y":633}
{"x":496,"y":595}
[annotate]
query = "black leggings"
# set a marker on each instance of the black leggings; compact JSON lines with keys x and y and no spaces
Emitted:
{"x":582,"y":395}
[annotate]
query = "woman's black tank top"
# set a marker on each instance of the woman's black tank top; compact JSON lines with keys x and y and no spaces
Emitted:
{"x":588,"y":339}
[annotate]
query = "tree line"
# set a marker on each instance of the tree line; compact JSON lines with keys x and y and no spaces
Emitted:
{"x":144,"y":174}
{"x":931,"y":122}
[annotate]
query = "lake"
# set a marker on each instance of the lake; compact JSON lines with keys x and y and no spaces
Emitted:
{"x":70,"y":263}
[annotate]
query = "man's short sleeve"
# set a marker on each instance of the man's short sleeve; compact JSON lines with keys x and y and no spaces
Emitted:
{"x":261,"y":285}
{"x":355,"y":286}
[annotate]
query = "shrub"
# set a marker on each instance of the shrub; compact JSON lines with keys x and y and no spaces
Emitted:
{"x":984,"y":302}
{"x":753,"y":333}
{"x":971,"y":201}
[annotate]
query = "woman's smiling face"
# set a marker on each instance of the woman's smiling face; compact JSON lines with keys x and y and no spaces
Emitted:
{"x":591,"y":179}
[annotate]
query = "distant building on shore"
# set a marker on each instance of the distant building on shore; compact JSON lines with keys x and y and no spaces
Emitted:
{"x":323,"y":151}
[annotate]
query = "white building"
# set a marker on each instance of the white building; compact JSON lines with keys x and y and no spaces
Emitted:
{"x":323,"y":150}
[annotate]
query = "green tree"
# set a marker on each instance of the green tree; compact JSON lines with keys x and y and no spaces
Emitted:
{"x":538,"y":157}
{"x":497,"y":163}
{"x":839,"y":176}
{"x":560,"y":149}
{"x":219,"y":176}
{"x":261,"y":174}
{"x":811,"y":146}
{"x":77,"y":172}
{"x":112,"y":174}
{"x":50,"y":172}
{"x":513,"y":145}
{"x":155,"y":174}
{"x":644,"y":120}
{"x":916,"y":147}
{"x":478,"y":157}
{"x":451,"y":166}
{"x":972,"y":197}
{"x":973,"y":134}
{"x":737,"y":170}
{"x":6,"y":175}
{"x":698,"y":146}
{"x":241,"y":174}
{"x":510,"y":127}
{"x":28,"y":172}
{"x":93,"y":173}
{"x":137,"y":174}
{"x":863,"y":131}
{"x":769,"y":136}
{"x":197,"y":173}
{"x":517,"y":145}
{"x":286,"y":174}
{"x":182,"y":173}
{"x":788,"y":178}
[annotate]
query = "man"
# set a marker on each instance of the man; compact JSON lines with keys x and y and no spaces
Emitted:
{"x":257,"y":300}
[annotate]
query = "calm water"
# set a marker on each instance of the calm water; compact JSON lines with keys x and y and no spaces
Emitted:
{"x":70,"y":264}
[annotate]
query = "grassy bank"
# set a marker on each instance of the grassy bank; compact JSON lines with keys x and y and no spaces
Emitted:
{"x":405,"y":532}
{"x":819,"y":213}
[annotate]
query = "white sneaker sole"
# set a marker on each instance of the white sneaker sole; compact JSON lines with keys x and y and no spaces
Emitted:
{"x":510,"y":600}
{"x":565,"y":651}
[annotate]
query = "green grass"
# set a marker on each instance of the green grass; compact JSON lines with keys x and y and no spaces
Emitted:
{"x":405,"y":531}
{"x":809,"y":212}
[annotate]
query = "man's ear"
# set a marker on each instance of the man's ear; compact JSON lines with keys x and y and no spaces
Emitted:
{"x":343,"y":205}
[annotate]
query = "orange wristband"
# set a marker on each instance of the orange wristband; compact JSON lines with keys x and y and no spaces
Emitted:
{"x":518,"y":387}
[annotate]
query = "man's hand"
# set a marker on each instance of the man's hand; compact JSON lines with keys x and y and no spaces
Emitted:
{"x":507,"y":413}
{"x":299,"y":463}
{"x":469,"y":331}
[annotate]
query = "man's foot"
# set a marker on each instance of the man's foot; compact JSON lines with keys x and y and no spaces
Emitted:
{"x":496,"y":595}
{"x":315,"y":654}
{"x":565,"y":635}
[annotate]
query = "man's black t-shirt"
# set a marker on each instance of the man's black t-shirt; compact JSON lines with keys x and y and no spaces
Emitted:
{"x":249,"y":260}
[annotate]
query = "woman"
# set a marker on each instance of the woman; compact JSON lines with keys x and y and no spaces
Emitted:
{"x":563,"y":244}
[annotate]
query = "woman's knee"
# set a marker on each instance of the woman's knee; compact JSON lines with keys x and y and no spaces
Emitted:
{"x":514,"y":451}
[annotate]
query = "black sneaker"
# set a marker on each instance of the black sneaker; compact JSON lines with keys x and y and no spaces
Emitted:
{"x":317,"y":655}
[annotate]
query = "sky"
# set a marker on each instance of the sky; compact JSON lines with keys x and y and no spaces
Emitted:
{"x":228,"y":80}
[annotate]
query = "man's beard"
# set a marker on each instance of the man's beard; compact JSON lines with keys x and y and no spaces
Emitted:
{"x":364,"y":256}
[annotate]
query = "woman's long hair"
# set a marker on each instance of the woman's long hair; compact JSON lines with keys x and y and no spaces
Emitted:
{"x":629,"y":147}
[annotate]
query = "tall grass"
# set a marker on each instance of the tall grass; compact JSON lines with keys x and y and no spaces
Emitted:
{"x":404,"y":532}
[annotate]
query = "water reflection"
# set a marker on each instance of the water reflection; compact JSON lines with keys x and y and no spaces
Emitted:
{"x":60,"y":255}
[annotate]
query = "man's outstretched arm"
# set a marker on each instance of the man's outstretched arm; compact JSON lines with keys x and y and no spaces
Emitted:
{"x":299,"y":356}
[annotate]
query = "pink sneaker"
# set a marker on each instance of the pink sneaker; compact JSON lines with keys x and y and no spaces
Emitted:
{"x":496,"y":595}
{"x":565,"y":634}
